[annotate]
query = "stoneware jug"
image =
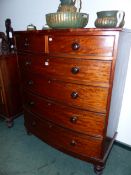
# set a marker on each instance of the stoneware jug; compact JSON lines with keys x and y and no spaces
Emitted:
{"x":67,"y":2}
{"x":66,"y":5}
{"x":110,"y":19}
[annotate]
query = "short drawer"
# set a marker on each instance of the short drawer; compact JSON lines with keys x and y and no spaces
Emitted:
{"x":63,"y":139}
{"x":27,"y":42}
{"x":95,"y":72}
{"x":78,"y":120}
{"x":81,"y":45}
{"x":76,"y":95}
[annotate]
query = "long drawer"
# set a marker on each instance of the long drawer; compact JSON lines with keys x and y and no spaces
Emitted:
{"x":81,"y":96}
{"x":63,"y":139}
{"x":81,"y":45}
{"x":74,"y":119}
{"x":95,"y":72}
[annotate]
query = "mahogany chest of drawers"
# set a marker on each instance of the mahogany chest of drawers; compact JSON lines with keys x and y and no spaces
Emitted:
{"x":67,"y":78}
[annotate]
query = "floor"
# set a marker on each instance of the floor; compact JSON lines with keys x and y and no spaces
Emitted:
{"x":21,"y":154}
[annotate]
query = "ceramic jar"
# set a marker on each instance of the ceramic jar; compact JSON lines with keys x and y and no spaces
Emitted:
{"x":31,"y":27}
{"x":110,"y":19}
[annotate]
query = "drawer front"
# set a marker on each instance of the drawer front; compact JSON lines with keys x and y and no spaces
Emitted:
{"x":63,"y":139}
{"x":81,"y":45}
{"x":84,"y":71}
{"x":35,"y":43}
{"x":85,"y":97}
{"x":78,"y":120}
{"x":78,"y":70}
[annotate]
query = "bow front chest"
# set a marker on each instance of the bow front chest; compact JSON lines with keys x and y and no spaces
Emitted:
{"x":67,"y":78}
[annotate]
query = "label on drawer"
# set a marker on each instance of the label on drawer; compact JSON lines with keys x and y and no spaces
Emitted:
{"x":46,"y":63}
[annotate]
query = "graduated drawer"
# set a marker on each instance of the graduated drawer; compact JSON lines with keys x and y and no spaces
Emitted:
{"x":81,"y":96}
{"x":81,"y":45}
{"x":61,"y":138}
{"x":77,"y":70}
{"x":29,"y":42}
{"x":78,"y":120}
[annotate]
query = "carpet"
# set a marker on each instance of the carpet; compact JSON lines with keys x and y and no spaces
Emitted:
{"x":21,"y":154}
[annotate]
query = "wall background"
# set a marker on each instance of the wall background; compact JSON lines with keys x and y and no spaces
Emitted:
{"x":25,"y":12}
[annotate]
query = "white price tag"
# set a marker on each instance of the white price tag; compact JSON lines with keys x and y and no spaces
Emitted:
{"x":10,"y":34}
{"x":50,"y":39}
{"x":46,"y":63}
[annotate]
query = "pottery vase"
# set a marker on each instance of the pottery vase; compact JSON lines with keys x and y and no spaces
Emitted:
{"x":110,"y":19}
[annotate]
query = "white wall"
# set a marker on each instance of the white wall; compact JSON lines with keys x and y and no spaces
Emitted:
{"x":93,"y":6}
{"x":124,"y":128}
{"x":25,"y":12}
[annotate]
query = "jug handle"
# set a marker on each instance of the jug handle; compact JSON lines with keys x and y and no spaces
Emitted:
{"x":120,"y":15}
{"x":80,"y":5}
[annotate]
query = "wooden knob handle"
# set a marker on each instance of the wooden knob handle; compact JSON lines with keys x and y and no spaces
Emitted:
{"x":73,"y":119}
{"x":75,"y":70}
{"x":28,"y":63}
{"x":31,"y":103}
{"x":26,"y":43}
{"x":73,"y":143}
{"x":30,"y":82}
{"x":75,"y":46}
{"x":74,"y":95}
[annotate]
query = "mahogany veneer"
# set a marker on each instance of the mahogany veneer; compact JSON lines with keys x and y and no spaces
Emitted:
{"x":67,"y":80}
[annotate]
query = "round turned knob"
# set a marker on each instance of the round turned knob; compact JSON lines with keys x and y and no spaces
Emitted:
{"x":75,"y":46}
{"x":73,"y":143}
{"x":49,"y":104}
{"x":74,"y":95}
{"x":30,"y":82}
{"x":50,"y":125}
{"x":26,"y":44}
{"x":73,"y":119}
{"x":31,"y":103}
{"x":75,"y":70}
{"x":28,"y":63}
{"x":49,"y":81}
